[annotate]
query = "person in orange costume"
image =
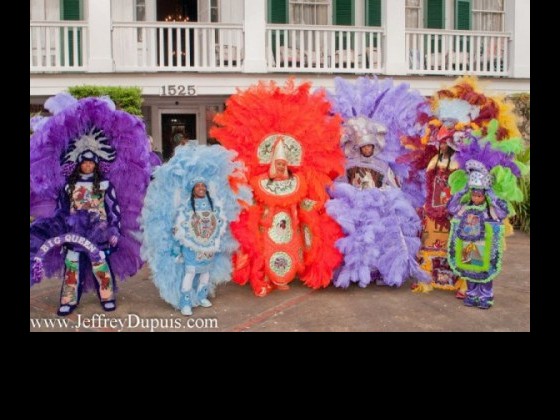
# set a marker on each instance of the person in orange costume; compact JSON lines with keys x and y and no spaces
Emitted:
{"x":288,"y":140}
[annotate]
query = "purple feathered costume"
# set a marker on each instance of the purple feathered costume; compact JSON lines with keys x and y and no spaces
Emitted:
{"x":120,"y":147}
{"x":374,"y":201}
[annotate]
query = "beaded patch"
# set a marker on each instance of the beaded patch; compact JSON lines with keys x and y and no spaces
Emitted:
{"x":281,"y":231}
{"x":307,"y":204}
{"x":203,"y":226}
{"x":307,"y":236}
{"x":292,"y":148}
{"x":280,"y":263}
{"x":284,"y":187}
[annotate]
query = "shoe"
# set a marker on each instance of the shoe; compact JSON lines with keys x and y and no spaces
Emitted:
{"x":185,"y":303}
{"x":205,"y":303}
{"x":485,"y":303}
{"x":109,"y":305}
{"x":202,"y":296}
{"x":263,"y":290}
{"x":282,"y":287}
{"x":470,"y":301}
{"x":66,"y":309}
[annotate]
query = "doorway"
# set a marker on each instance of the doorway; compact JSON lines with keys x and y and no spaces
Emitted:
{"x":173,"y":127}
{"x":178,"y":10}
{"x":181,"y":40}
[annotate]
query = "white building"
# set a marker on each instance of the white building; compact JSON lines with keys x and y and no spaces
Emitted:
{"x":188,"y":56}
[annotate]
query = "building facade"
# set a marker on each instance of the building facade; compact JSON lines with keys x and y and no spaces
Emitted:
{"x":188,"y":56}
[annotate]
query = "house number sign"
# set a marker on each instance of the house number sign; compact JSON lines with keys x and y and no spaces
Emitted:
{"x":178,"y":90}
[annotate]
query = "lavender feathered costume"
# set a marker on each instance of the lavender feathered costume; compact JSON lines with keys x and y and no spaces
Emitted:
{"x":373,"y":206}
{"x":90,"y":129}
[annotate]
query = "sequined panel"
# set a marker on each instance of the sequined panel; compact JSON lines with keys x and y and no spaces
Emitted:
{"x":203,"y":226}
{"x":283,"y":187}
{"x":307,"y":236}
{"x":281,"y":231}
{"x":292,"y":146}
{"x":280,"y":263}
{"x":83,"y":198}
{"x":441,"y":191}
{"x":307,"y":204}
{"x":204,"y":256}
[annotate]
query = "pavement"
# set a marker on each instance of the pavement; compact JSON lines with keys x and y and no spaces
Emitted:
{"x":235,"y":308}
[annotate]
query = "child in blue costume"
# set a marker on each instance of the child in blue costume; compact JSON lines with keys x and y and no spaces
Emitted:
{"x":186,"y":216}
{"x":198,"y":228}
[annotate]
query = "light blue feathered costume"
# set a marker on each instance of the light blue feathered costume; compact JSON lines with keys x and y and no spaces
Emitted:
{"x":173,"y":244}
{"x":374,"y":202}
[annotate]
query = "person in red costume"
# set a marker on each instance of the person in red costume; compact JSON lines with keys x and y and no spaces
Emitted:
{"x":288,"y":140}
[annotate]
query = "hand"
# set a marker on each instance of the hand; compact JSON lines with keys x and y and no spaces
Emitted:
{"x":114,"y":240}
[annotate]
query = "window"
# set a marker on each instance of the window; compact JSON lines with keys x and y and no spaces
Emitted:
{"x":140,"y":16}
{"x":488,"y":15}
{"x":214,"y":16}
{"x":414,"y":13}
{"x":140,"y":10}
{"x":310,"y":12}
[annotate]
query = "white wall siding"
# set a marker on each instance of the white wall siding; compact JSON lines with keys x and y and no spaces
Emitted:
{"x":231,"y":11}
{"x":108,"y":40}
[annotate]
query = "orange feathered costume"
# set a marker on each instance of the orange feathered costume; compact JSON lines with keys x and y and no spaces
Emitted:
{"x":286,"y":232}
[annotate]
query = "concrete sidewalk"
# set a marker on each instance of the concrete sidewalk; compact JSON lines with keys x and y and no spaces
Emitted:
{"x":300,"y":309}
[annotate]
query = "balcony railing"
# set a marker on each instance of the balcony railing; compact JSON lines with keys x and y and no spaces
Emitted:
{"x":218,"y":47}
{"x":324,"y":49}
{"x":58,"y":46}
{"x":176,"y":46}
{"x":431,"y":51}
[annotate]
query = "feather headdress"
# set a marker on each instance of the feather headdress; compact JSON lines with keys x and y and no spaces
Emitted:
{"x":385,"y":112}
{"x":82,"y":128}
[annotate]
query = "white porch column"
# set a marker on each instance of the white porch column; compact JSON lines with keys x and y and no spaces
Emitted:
{"x":254,"y":27}
{"x":360,"y":12}
{"x":99,"y":28}
{"x":394,"y":21}
{"x":518,"y":13}
{"x":449,"y":14}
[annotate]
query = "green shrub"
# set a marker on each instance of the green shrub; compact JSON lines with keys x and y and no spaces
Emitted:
{"x":522,"y":218}
{"x":522,"y":103}
{"x":128,"y":99}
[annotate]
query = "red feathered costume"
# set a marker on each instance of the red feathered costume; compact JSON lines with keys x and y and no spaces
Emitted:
{"x":289,"y":141}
